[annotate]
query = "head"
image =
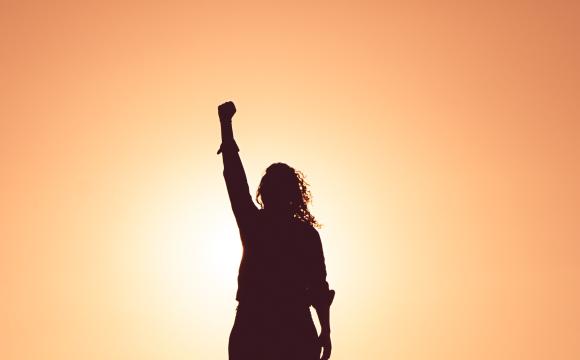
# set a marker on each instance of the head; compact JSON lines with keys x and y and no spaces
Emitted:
{"x":284,"y":191}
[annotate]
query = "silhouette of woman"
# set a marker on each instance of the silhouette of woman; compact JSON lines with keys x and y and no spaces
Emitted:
{"x":282,"y":271}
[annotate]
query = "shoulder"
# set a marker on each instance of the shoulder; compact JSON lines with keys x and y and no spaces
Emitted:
{"x":307,"y":231}
{"x":303,"y":226}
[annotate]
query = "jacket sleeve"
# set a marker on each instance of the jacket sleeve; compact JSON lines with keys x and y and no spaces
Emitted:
{"x":237,"y":185}
{"x":318,"y":290}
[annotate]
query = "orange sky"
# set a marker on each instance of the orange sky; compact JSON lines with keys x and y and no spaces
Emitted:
{"x":441,"y":142}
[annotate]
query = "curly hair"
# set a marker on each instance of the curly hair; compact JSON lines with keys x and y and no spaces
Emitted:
{"x":284,"y":186}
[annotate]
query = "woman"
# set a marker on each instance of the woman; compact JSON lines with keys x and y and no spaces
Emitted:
{"x":282,"y":272}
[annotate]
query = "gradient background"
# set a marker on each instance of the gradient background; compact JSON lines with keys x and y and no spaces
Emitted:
{"x":441,"y":141}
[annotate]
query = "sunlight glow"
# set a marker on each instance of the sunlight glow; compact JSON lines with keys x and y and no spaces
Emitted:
{"x":440,"y":140}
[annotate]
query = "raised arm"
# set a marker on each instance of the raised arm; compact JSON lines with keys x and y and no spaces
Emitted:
{"x":234,"y":174}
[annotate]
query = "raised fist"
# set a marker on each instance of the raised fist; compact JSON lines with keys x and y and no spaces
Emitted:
{"x":226,"y":110}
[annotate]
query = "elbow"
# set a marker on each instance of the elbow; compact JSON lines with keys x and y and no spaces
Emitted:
{"x":322,"y":299}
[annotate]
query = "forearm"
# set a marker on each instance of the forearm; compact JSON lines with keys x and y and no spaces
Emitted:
{"x":233,"y":167}
{"x":323,"y":313}
{"x":226,"y":130}
{"x":234,"y":174}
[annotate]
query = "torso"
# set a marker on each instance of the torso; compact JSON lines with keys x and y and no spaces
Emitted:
{"x":272,"y":267}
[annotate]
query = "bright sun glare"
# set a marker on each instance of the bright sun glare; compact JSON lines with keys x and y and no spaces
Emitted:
{"x":188,"y":252}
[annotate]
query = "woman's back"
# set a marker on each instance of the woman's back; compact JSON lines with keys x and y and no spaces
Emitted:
{"x":280,"y":262}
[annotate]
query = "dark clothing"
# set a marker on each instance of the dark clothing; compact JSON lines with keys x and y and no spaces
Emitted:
{"x":273,"y":333}
{"x":282,"y":273}
{"x":282,"y":259}
{"x":282,"y":262}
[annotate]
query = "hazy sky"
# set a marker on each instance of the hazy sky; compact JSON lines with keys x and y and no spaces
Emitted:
{"x":441,"y":141}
